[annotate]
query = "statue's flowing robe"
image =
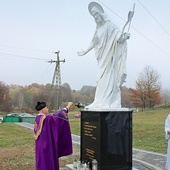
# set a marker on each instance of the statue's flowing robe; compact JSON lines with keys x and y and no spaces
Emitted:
{"x":167,"y":137}
{"x":111,"y":63}
{"x":52,"y":140}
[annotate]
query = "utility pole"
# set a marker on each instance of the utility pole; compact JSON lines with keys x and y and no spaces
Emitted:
{"x":56,"y":87}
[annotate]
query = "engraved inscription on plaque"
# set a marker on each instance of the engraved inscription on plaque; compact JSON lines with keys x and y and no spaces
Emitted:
{"x":90,"y":153}
{"x":89,"y":130}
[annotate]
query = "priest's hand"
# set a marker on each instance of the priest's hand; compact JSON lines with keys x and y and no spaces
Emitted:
{"x":69,"y":105}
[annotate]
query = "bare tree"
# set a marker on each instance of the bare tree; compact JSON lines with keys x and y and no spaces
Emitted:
{"x":148,"y":86}
{"x":21,"y":100}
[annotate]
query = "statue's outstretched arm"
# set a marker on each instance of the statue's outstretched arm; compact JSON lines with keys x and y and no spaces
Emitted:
{"x":82,"y":52}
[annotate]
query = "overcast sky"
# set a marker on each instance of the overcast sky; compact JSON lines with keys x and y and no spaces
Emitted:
{"x":32,"y":30}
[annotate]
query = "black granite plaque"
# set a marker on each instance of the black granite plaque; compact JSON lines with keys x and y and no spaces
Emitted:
{"x":107,"y":137}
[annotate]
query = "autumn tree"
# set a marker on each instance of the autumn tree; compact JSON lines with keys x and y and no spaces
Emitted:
{"x":5,"y":100}
{"x":67,"y":96}
{"x":125,"y":101}
{"x":147,"y":92}
{"x":88,"y":93}
{"x":35,"y":93}
{"x":17,"y":96}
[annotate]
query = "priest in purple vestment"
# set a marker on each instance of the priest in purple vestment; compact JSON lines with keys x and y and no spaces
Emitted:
{"x":52,"y":137}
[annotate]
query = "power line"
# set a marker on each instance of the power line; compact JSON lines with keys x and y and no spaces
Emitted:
{"x":28,"y":49}
{"x":20,"y":56}
{"x":49,"y":68}
{"x":153,"y":17}
{"x":138,"y":31}
{"x":112,"y":10}
{"x":151,"y":42}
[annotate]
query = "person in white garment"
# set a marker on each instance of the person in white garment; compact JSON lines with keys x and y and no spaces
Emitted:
{"x":167,"y":137}
{"x":110,"y":48}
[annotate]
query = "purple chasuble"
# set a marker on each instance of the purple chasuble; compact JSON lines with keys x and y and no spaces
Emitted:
{"x":52,"y":139}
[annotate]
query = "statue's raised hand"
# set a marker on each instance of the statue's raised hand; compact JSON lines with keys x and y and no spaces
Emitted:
{"x":126,"y":36}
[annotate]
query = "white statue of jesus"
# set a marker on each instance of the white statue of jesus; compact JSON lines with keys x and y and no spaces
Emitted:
{"x":110,"y":48}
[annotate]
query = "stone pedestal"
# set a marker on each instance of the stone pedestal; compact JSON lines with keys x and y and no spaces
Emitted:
{"x":107,"y":137}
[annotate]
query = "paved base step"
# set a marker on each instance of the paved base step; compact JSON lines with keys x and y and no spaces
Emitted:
{"x":136,"y":167}
{"x":69,"y":167}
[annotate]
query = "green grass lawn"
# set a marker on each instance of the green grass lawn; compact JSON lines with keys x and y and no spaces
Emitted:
{"x":16,"y":147}
{"x":12,"y":135}
{"x":17,"y":143}
{"x":148,"y":131}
